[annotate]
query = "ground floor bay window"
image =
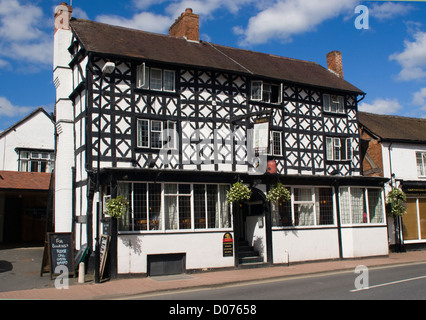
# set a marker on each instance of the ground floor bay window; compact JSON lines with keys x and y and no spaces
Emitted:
{"x":172,"y":206}
{"x":361,"y":205}
{"x":308,"y":206}
{"x":314,"y":206}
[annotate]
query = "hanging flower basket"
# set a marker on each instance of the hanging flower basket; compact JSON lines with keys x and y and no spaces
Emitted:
{"x":117,"y":207}
{"x":278,"y":192}
{"x":396,"y":202}
{"x":238,"y":192}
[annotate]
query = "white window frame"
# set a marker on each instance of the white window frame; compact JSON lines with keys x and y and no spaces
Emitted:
{"x":421,"y":166}
{"x":138,"y":130}
{"x":37,"y":157}
{"x":254,"y":94}
{"x":261,"y":85}
{"x":314,"y":201}
{"x":142,"y":76}
{"x":173,"y":74}
{"x":271,"y":149}
{"x":334,"y":149}
{"x":145,"y":79}
{"x":333,"y":103}
{"x":171,"y":138}
{"x":220,"y":201}
{"x":168,"y":131}
{"x":154,"y":80}
{"x":156,"y":131}
{"x":366,"y":204}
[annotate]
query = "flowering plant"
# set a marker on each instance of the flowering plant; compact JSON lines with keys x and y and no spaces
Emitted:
{"x":238,"y":192}
{"x":278,"y":192}
{"x":396,"y":202}
{"x":117,"y":207}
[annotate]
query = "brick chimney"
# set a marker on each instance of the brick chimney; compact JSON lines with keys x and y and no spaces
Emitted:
{"x":62,"y":17}
{"x":187,"y":26}
{"x":334,"y":62}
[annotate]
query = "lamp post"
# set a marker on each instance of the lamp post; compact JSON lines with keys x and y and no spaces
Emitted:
{"x":108,"y":68}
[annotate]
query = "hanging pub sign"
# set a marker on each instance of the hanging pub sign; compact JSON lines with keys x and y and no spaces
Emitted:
{"x":228,"y":245}
{"x":261,"y":135}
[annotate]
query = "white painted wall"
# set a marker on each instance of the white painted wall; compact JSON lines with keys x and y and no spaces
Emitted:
{"x":37,"y":132}
{"x":295,"y":245}
{"x":317,"y":244}
{"x":256,"y":235}
{"x":203,"y":250}
{"x":365,"y":242}
{"x":63,"y":75}
{"x":403,"y":158}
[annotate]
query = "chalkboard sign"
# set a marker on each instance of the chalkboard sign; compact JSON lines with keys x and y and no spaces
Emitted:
{"x":61,"y":252}
{"x":104,"y":245}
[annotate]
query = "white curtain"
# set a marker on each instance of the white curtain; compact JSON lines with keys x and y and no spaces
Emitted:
{"x":357,"y":205}
{"x":170,"y":210}
{"x":345,"y":209}
{"x":304,"y":211}
{"x":225,"y":207}
{"x":125,"y":221}
{"x":375,"y":206}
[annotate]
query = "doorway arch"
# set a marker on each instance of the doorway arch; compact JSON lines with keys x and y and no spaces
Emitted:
{"x":251,"y":225}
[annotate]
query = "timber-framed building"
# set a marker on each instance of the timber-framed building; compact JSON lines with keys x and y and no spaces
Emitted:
{"x":169,"y":122}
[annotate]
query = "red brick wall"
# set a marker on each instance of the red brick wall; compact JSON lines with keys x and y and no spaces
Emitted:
{"x":372,"y":162}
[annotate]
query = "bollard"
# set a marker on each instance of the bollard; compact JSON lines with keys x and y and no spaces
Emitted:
{"x":81,"y":272}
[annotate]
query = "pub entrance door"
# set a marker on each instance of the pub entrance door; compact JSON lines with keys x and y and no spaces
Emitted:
{"x":250,"y":230}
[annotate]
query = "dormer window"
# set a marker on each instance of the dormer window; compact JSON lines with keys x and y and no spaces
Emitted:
{"x":155,"y":79}
{"x":333,"y":103}
{"x":266,"y":92}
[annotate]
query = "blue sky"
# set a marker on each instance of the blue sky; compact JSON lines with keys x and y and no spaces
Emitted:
{"x":387,"y":60}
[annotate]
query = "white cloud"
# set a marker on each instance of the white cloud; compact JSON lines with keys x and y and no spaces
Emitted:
{"x":9,"y":110}
{"x":152,"y":22}
{"x":419,"y":98}
{"x":145,"y":4}
{"x":413,"y":58}
{"x":381,"y":106}
{"x":287,"y":18}
{"x":79,"y":13}
{"x":389,"y":10}
{"x":22,"y":37}
{"x":145,"y":21}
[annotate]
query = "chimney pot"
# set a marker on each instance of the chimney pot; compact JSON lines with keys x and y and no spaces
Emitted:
{"x":187,"y":26}
{"x":334,"y":62}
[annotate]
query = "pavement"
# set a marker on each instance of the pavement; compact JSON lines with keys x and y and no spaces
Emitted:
{"x":20,"y":277}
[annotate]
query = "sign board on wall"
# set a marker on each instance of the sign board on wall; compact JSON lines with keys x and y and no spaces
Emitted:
{"x":228,"y":245}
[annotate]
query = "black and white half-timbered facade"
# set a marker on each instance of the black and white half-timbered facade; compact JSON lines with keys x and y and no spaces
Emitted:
{"x":168,"y":121}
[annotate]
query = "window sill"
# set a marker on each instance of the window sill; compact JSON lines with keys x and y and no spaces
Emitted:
{"x":335,"y":114}
{"x":260,"y":102}
{"x":286,"y":228}
{"x":156,"y":92}
{"x":167,"y":232}
{"x":331,"y":162}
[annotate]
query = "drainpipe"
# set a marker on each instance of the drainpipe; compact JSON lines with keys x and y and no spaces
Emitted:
{"x":339,"y":224}
{"x":397,"y":220}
